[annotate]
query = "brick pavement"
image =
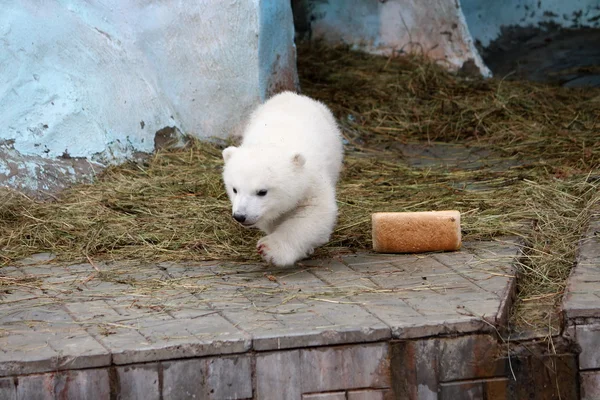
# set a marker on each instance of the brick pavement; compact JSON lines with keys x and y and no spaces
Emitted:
{"x":155,"y":327}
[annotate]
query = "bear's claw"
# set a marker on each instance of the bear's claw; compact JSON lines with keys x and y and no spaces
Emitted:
{"x":262,"y":248}
{"x":272,"y":252}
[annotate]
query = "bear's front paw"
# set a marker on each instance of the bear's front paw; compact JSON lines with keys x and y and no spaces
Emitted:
{"x":276,"y":252}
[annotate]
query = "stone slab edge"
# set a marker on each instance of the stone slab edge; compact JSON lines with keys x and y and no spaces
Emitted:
{"x":450,"y":326}
{"x":572,"y":310}
{"x":508,"y":297}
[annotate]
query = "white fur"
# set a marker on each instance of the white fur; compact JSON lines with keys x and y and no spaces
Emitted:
{"x":291,"y":148}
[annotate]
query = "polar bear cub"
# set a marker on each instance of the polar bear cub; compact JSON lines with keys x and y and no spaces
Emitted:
{"x":282,"y":178}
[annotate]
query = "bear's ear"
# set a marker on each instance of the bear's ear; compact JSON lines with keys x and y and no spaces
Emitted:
{"x":228,"y":152}
{"x":298,"y":160}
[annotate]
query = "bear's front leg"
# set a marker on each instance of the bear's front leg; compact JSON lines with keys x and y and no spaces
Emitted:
{"x":296,"y":237}
{"x":278,"y":251}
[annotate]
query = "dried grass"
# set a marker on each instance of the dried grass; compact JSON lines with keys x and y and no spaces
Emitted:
{"x":537,"y":180}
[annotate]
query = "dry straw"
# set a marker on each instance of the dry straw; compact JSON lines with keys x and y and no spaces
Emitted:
{"x":535,"y":175}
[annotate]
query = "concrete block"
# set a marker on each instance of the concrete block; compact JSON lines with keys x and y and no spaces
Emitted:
{"x":588,"y":338}
{"x":8,"y":390}
{"x":365,"y":263}
{"x":411,"y":377}
{"x":589,"y":246}
{"x":183,"y":305}
{"x":391,"y":310}
{"x":468,"y":357}
{"x":580,"y":303}
{"x":184,"y":338}
{"x":183,"y":379}
{"x":370,"y":394}
{"x":348,"y":319}
{"x":438,"y":298}
{"x":345,"y":367}
{"x":92,"y":384}
{"x":36,"y":259}
{"x":582,"y":295}
{"x":489,"y":389}
{"x":306,"y":323}
{"x":36,"y":387}
{"x":434,"y":325}
{"x":338,"y":274}
{"x":138,"y":382}
{"x":55,"y":330}
{"x":208,"y":378}
{"x":26,"y":351}
{"x":278,"y":375}
{"x":145,"y":337}
{"x":325,"y":396}
{"x":465,"y":357}
{"x":122,"y":339}
{"x":321,"y":324}
{"x":589,"y":382}
{"x":412,"y":271}
{"x":125,"y":344}
{"x":543,"y":376}
{"x":449,"y":305}
{"x":229,"y":377}
{"x":76,"y":348}
{"x":419,"y":366}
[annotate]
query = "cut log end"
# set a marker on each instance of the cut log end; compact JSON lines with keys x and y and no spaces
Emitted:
{"x":416,"y":232}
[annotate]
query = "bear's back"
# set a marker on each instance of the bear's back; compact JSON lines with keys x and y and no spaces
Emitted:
{"x":298,"y":124}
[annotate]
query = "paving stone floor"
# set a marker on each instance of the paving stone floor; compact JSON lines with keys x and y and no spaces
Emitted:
{"x":57,"y":317}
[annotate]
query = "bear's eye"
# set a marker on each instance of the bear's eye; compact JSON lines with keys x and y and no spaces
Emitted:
{"x":234,"y":190}
{"x":262,"y":192}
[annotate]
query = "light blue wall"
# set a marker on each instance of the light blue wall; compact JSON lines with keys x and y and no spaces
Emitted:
{"x":97,"y":79}
{"x":100,"y":78}
{"x":276,"y":47}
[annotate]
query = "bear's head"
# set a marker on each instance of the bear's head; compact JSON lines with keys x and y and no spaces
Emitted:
{"x":262,"y":183}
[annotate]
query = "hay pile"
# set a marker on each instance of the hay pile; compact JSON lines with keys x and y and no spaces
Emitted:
{"x":174,"y":206}
{"x":553,"y":132}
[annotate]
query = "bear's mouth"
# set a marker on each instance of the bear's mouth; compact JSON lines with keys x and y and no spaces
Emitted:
{"x":247,"y":224}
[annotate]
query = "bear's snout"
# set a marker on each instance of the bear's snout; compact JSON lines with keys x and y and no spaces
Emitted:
{"x":239,"y":217}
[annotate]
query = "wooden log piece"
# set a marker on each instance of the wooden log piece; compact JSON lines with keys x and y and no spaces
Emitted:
{"x":416,"y":232}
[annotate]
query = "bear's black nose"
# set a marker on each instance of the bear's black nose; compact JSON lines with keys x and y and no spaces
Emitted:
{"x":239,"y":217}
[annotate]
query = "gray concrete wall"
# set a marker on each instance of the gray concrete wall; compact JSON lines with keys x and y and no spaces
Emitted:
{"x":485,"y":18}
{"x":98,"y":79}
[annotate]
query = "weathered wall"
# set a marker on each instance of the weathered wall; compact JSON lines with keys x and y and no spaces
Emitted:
{"x":98,"y":79}
{"x":444,"y":30}
{"x":435,"y":28}
{"x":486,"y":18}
